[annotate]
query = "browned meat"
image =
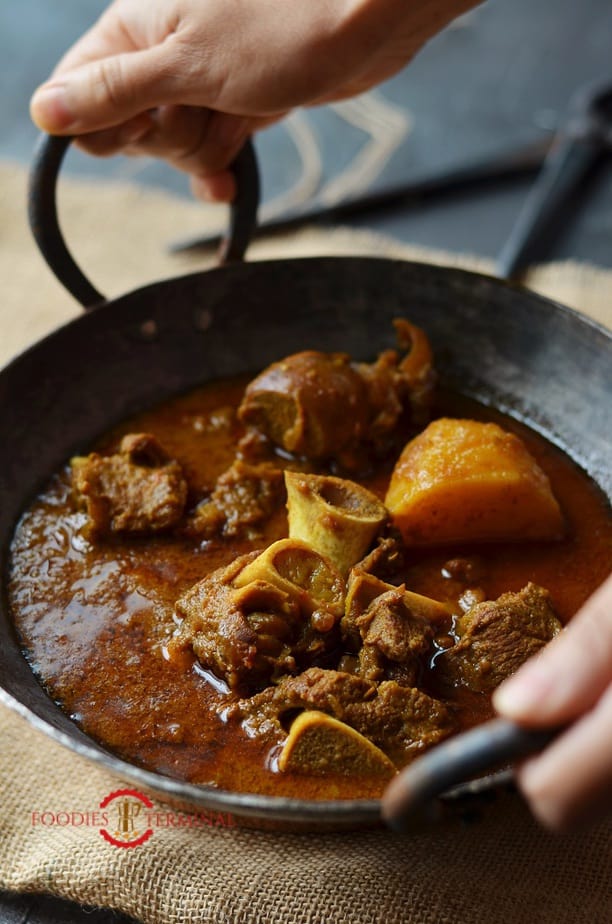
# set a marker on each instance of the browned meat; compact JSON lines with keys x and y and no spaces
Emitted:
{"x":496,"y":637}
{"x":243,"y":498}
{"x":322,"y":406}
{"x":397,"y":384}
{"x":401,"y":721}
{"x":391,"y":636}
{"x":394,"y":637}
{"x":243,"y":639}
{"x":311,"y":404}
{"x":250,"y":635}
{"x":387,"y":558}
{"x":137,"y":490}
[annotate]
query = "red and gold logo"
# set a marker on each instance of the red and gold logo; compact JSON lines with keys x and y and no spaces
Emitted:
{"x":126,"y":807}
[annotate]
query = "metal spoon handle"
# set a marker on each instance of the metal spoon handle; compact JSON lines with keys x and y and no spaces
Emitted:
{"x":485,"y":748}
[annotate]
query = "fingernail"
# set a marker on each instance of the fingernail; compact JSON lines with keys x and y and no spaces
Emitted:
{"x":523,"y":693}
{"x":49,"y":109}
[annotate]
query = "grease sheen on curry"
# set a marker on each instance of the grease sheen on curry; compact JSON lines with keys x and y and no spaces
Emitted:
{"x":97,"y":610}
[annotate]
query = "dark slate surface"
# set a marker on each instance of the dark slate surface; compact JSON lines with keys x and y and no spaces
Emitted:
{"x":500,"y":78}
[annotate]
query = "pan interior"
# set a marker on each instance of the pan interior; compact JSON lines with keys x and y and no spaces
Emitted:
{"x":537,"y":361}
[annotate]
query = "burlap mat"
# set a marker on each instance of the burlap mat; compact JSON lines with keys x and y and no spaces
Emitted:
{"x":499,"y":870}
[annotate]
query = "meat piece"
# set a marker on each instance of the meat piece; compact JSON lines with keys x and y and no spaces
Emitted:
{"x":244,"y":497}
{"x":387,"y":559}
{"x":310,"y":404}
{"x":322,"y":406}
{"x":396,"y":635}
{"x":496,"y":637}
{"x":396,"y":385}
{"x":253,"y":631}
{"x":243,"y":636}
{"x":137,"y":490}
{"x":401,"y":721}
{"x":390,"y":628}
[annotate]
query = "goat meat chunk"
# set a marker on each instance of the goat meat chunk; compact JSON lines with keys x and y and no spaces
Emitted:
{"x":244,"y":497}
{"x":137,"y":490}
{"x":401,"y":721}
{"x":496,"y":637}
{"x":310,"y":404}
{"x":250,"y":635}
{"x":322,"y":406}
{"x":394,"y":639}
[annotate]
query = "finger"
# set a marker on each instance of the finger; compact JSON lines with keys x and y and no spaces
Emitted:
{"x":190,"y":138}
{"x":106,"y":92}
{"x":115,"y":140}
{"x":572,"y":780}
{"x":196,"y":140}
{"x":220,"y":187}
{"x":569,"y":675}
{"x":172,"y":133}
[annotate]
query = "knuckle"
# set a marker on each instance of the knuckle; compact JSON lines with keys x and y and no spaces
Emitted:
{"x":110,"y":82}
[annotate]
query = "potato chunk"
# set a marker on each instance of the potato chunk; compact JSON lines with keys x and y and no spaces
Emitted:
{"x":462,"y":480}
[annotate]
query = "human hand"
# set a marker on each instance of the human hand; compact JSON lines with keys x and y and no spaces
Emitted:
{"x":189,"y":80}
{"x":570,"y":681}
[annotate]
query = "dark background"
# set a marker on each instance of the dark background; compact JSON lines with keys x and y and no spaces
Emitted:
{"x":499,"y":79}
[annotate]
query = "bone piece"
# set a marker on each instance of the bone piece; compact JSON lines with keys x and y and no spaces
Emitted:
{"x":319,"y":744}
{"x":335,"y":516}
{"x":364,"y":588}
{"x":301,"y":572}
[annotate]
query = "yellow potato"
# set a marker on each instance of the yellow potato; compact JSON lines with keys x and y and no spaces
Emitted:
{"x":462,"y":480}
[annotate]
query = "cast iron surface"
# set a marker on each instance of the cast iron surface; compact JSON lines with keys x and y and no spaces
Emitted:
{"x":539,"y":361}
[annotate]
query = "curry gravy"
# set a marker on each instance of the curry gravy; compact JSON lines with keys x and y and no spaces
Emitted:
{"x":94,"y":619}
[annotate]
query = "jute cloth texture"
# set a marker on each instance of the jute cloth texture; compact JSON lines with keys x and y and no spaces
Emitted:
{"x":500,"y":870}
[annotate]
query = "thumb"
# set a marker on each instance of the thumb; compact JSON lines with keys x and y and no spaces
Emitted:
{"x":106,"y":92}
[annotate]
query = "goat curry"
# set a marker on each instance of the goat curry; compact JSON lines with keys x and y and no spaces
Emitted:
{"x":296,"y":584}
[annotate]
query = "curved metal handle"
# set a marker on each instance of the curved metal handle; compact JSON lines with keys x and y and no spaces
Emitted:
{"x":44,"y":223}
{"x":411,"y":794}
